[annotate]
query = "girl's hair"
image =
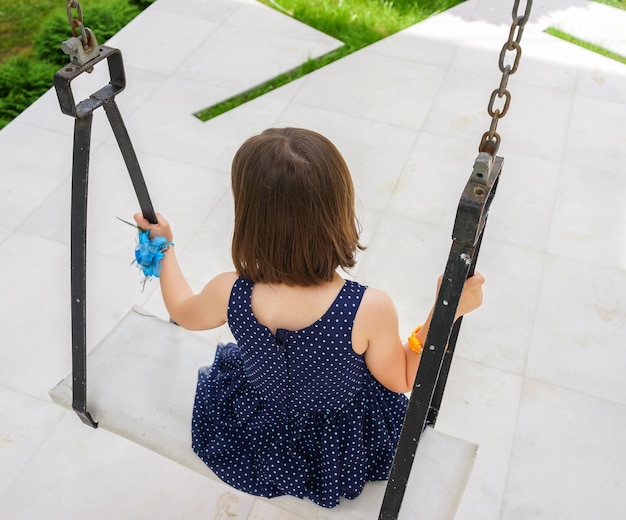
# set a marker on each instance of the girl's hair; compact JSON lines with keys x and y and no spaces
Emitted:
{"x":294,"y":209}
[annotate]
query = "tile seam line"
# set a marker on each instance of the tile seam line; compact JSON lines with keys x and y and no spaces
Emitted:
{"x":575,"y":391}
{"x":47,"y":401}
{"x":57,"y":188}
{"x":51,"y":193}
{"x":512,"y":446}
{"x":226,"y":22}
{"x":190,"y":52}
{"x":34,"y":454}
{"x":560,"y":256}
{"x":356,"y":117}
{"x":525,"y":382}
{"x":525,"y":378}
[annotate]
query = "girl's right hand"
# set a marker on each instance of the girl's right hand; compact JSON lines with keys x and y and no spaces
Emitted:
{"x":160,"y":229}
{"x":472,"y":295}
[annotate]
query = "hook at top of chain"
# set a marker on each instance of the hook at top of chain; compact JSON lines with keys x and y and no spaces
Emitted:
{"x":83,"y":46}
{"x":490,"y":141}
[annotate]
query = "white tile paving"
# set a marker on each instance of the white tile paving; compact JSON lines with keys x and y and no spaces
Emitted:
{"x":112,"y":478}
{"x":574,"y":296}
{"x":4,"y":232}
{"x":537,"y":379}
{"x":481,"y":404}
{"x":567,"y":460}
{"x":31,"y":422}
{"x":354,"y":86}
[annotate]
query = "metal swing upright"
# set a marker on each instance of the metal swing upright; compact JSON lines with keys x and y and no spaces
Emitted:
{"x":467,"y":236}
{"x":467,"y":233}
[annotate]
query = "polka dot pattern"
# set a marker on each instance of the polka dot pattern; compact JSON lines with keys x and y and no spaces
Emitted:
{"x":295,"y":413}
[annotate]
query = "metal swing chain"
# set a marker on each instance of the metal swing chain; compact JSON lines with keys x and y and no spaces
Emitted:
{"x":490,"y":141}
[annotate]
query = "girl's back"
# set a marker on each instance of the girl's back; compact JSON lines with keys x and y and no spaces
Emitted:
{"x":279,"y":306}
{"x":295,"y":411}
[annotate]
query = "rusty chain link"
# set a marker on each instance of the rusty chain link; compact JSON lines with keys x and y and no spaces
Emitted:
{"x":76,"y":24}
{"x":82,"y":47}
{"x":490,"y":141}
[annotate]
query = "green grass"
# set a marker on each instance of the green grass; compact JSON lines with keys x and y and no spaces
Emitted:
{"x":272,"y":84}
{"x":31,"y":32}
{"x":20,"y":22}
{"x":620,"y":4}
{"x":586,"y":45}
{"x":356,"y":23}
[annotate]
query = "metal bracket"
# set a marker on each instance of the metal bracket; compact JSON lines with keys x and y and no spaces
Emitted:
{"x":64,"y":77}
{"x":79,"y":54}
{"x":482,"y":168}
{"x":434,"y":366}
{"x":471,"y":215}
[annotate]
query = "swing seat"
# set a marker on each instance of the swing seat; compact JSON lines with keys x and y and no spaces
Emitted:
{"x":142,"y":381}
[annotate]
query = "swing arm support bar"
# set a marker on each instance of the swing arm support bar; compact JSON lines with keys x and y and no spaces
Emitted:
{"x":82,"y":113}
{"x":432,"y":373}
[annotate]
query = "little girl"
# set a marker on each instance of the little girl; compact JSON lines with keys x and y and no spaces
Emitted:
{"x":309,"y":402}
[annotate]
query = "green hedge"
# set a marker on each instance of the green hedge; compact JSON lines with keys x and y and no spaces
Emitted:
{"x":23,"y":79}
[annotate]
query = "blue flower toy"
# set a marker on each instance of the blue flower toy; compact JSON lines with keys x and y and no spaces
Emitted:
{"x":149,"y":252}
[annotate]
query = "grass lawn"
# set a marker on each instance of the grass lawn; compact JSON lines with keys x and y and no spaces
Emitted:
{"x":20,"y":22}
{"x":619,"y":4}
{"x":31,"y":33}
{"x":357,"y":23}
{"x":586,"y":45}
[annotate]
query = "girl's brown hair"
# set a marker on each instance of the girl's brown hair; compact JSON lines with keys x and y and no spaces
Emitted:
{"x":294,"y":209}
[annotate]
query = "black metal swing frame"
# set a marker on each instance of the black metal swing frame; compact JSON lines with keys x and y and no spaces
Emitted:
{"x":83,"y":118}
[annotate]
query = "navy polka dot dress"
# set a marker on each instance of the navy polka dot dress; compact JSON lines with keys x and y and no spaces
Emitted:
{"x":296,"y":413}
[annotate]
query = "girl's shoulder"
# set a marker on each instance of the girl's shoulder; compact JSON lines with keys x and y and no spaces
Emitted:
{"x":214,"y":298}
{"x":376,"y":316}
{"x":222,"y":284}
{"x":376,"y":301}
{"x":376,"y":305}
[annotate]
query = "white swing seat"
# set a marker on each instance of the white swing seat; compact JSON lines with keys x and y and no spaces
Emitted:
{"x":141,"y":385}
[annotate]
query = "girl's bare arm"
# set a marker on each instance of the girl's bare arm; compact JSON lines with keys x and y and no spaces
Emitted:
{"x":202,"y":311}
{"x":388,"y":357}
